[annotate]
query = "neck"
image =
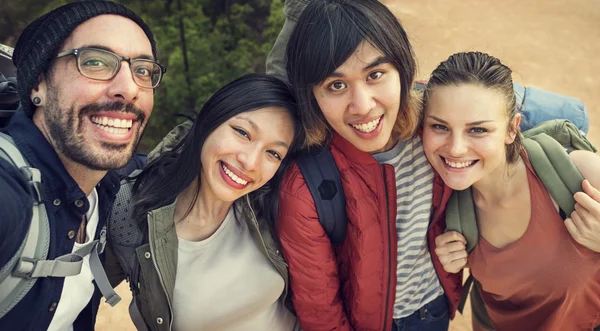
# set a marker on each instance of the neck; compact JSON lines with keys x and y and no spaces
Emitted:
{"x":205,"y":212}
{"x":501,"y":186}
{"x":86,"y":178}
{"x":390,"y":144}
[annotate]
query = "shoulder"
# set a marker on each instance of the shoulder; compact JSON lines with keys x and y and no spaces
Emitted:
{"x":14,"y":190}
{"x":295,"y":200}
{"x":16,"y":204}
{"x":294,"y":183}
{"x":588,"y":164}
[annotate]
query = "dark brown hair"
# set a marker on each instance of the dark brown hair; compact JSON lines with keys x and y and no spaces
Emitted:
{"x":478,"y":69}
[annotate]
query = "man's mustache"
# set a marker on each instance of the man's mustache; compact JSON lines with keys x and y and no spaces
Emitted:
{"x":113,"y":106}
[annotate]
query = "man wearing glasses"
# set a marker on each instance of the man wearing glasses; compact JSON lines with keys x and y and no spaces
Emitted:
{"x":87,"y":73}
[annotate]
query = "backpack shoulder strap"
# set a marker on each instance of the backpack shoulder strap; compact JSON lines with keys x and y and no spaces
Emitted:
{"x":125,"y":236}
{"x":555,"y":169}
{"x":29,"y":262}
{"x":460,"y":217}
{"x":15,"y":282}
{"x":323,"y":180}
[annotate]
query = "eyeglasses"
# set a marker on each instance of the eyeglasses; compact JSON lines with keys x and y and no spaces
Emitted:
{"x":100,"y":64}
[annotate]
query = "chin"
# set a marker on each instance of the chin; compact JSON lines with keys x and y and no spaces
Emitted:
{"x":374,"y":146}
{"x":457,"y":185}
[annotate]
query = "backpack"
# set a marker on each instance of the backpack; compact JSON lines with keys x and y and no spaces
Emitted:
{"x":547,"y":146}
{"x":325,"y":185}
{"x":29,"y":263}
{"x":9,"y":98}
{"x":125,"y":236}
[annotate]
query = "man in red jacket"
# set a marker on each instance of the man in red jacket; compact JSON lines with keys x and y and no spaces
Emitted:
{"x":352,"y":67}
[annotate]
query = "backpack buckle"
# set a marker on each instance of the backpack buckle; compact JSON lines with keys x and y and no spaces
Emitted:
{"x":25,"y":267}
{"x":101,"y":245}
{"x":34,"y":178}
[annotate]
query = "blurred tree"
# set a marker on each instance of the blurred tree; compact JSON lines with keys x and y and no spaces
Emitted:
{"x":203,"y":43}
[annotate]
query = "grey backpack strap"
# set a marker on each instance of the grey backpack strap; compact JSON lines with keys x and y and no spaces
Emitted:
{"x":29,"y":263}
{"x":14,"y":286}
{"x":136,"y":316}
{"x":460,"y":217}
{"x":555,"y":169}
{"x":108,"y":292}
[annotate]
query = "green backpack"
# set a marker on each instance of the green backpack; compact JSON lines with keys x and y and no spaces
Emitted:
{"x":547,"y":146}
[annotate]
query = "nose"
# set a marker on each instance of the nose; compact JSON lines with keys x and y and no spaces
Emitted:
{"x":458,"y":145}
{"x":122,"y":86}
{"x":249,"y":158}
{"x":362,"y":101}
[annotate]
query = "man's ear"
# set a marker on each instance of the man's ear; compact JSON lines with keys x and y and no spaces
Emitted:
{"x":40,"y":92}
{"x":513,"y":129}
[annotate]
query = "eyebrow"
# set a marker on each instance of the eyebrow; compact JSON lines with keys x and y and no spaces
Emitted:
{"x":373,"y":64}
{"x":469,"y":124}
{"x":256,"y":128}
{"x":143,"y":56}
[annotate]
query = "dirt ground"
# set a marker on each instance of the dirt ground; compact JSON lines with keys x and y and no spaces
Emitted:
{"x":551,"y":44}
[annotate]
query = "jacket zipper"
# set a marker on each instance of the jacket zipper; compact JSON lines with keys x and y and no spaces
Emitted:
{"x":162,"y":282}
{"x":387,"y":212}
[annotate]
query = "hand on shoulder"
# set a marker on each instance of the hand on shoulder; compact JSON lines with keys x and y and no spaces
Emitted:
{"x":584,"y":223}
{"x":450,"y":247}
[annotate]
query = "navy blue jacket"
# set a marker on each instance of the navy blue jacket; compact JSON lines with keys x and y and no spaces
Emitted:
{"x":36,"y":309}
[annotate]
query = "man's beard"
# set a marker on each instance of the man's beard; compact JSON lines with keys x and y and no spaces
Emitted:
{"x":68,"y":135}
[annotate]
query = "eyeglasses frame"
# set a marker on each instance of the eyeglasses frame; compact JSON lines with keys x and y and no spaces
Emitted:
{"x":77,"y":51}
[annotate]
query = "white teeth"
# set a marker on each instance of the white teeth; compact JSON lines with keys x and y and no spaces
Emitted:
{"x":458,"y":165}
{"x":112,"y":122}
{"x":112,"y":130}
{"x":233,"y":176}
{"x":367,"y":127}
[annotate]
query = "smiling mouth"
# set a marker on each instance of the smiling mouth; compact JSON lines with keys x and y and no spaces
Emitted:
{"x":233,"y":176}
{"x":112,"y":125}
{"x":459,"y":165}
{"x":367,"y":127}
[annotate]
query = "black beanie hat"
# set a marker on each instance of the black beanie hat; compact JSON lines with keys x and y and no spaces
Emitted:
{"x":40,"y":41}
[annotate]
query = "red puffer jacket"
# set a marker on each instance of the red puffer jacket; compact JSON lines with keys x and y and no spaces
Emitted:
{"x":352,"y":285}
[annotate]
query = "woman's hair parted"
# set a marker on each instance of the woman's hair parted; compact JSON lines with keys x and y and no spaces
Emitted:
{"x":168,"y":175}
{"x":326,"y":35}
{"x":481,"y":69}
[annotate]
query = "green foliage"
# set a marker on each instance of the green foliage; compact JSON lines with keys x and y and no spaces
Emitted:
{"x":223,"y":39}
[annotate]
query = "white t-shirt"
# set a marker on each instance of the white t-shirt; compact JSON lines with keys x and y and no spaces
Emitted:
{"x":77,"y":290}
{"x":225,"y":283}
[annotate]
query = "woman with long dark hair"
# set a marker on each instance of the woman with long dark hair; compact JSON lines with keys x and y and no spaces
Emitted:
{"x":209,"y":261}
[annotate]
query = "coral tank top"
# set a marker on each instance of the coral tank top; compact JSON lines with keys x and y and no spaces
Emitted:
{"x":544,"y":280}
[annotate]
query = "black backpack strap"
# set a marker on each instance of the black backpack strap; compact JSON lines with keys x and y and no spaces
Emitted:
{"x":323,"y":180}
{"x":464,"y":294}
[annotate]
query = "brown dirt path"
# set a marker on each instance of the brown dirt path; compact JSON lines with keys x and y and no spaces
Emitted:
{"x":551,"y":44}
